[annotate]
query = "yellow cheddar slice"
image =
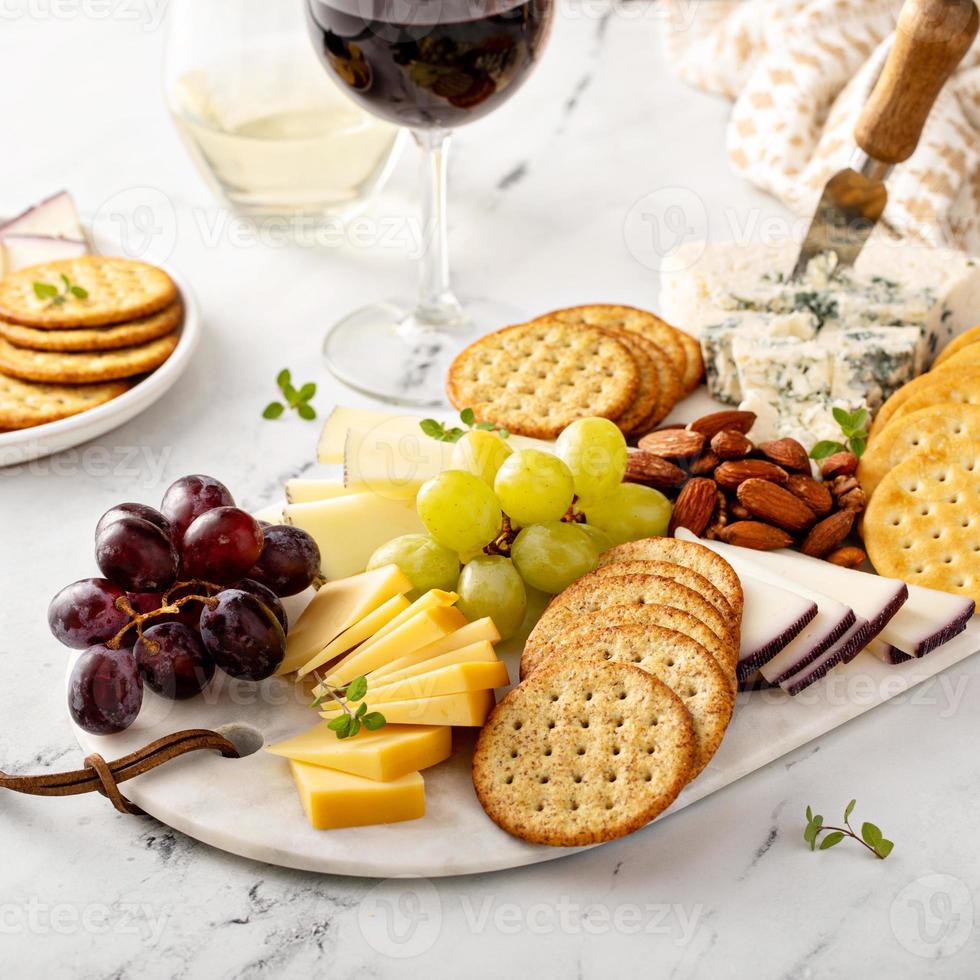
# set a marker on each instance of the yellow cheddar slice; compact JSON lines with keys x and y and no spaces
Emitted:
{"x":271,"y":514}
{"x":350,"y":529}
{"x":469,"y":709}
{"x":337,"y":607}
{"x":454,"y":679}
{"x":393,"y":464}
{"x":305,"y":491}
{"x":356,"y":634}
{"x":388,"y":754}
{"x":419,"y":631}
{"x":475,"y":653}
{"x":335,"y":799}
{"x":479,"y":629}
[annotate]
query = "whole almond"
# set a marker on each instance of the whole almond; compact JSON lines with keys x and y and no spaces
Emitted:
{"x":710,"y":425}
{"x":812,"y":492}
{"x":654,"y":471}
{"x":729,"y":444}
{"x":774,"y":505}
{"x":787,"y":453}
{"x":694,"y":506}
{"x":673,"y":443}
{"x":828,"y":534}
{"x":840,"y":464}
{"x":755,"y":534}
{"x":847,"y":557}
{"x":703,"y":465}
{"x":732,"y":474}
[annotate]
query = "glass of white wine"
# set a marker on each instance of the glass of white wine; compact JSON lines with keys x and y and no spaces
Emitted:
{"x":271,"y":134}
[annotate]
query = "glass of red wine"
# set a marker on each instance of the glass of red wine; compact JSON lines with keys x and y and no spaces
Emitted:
{"x":430,"y":66}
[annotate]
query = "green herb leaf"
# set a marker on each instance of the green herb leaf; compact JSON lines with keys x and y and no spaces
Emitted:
{"x":291,"y":395}
{"x":374,"y":720}
{"x":467,"y":416}
{"x":432,"y":428}
{"x":357,"y":689}
{"x":858,"y":445}
{"x":273,"y":410}
{"x":831,"y":840}
{"x":305,"y":411}
{"x":826,"y":448}
{"x":860,"y":418}
{"x":44,"y":290}
{"x":355,"y":727}
{"x":503,"y":433}
{"x":298,"y":400}
{"x":341,"y":725}
{"x":885,"y":847}
{"x":812,"y":829}
{"x":809,"y":814}
{"x":66,"y":281}
{"x":361,"y":710}
{"x":849,"y":810}
{"x":78,"y":292}
{"x":484,"y":426}
{"x":307,"y":391}
{"x":284,"y":378}
{"x":870,"y":834}
{"x":843,"y":418}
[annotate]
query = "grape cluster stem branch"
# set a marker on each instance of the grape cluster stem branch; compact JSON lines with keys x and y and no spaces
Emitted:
{"x":169,"y":608}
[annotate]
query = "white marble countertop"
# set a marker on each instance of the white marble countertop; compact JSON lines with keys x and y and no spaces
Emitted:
{"x":541,"y":197}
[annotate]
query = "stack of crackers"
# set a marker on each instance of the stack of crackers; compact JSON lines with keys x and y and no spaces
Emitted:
{"x":73,"y":332}
{"x":628,"y":689}
{"x":921,"y":470}
{"x":616,"y":362}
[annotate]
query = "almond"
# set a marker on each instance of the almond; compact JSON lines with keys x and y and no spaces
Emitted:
{"x":673,"y":443}
{"x":813,"y":493}
{"x":729,"y":444}
{"x":786,"y":452}
{"x":847,"y":557}
{"x":755,"y":534}
{"x":655,"y":471}
{"x":732,"y":474}
{"x":710,"y":425}
{"x":774,"y":505}
{"x":828,"y":534}
{"x":703,"y":465}
{"x":840,"y":464}
{"x":695,"y":506}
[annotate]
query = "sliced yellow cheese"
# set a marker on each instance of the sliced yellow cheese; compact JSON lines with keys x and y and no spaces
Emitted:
{"x":337,"y":607}
{"x":335,"y":799}
{"x":356,"y":634}
{"x":388,"y":754}
{"x":334,"y":434}
{"x":419,"y":631}
{"x":469,"y":709}
{"x":479,"y":629}
{"x":393,"y":463}
{"x":475,"y":653}
{"x":350,"y":529}
{"x":453,"y":679}
{"x":271,"y":514}
{"x":304,"y":491}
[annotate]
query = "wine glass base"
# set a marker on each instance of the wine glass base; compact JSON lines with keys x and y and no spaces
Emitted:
{"x":384,"y":350}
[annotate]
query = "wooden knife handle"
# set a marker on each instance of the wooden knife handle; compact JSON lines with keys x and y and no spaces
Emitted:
{"x":931,"y":38}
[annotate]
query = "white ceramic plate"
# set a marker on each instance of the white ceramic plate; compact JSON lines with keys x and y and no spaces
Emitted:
{"x":24,"y":445}
{"x":250,"y":807}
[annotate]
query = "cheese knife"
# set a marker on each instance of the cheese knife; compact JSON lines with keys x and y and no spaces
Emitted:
{"x":931,"y":38}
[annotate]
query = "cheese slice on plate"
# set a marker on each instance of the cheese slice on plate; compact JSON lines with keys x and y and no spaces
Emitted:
{"x":392,"y":752}
{"x":452,"y":679}
{"x":335,"y":799}
{"x":305,"y":491}
{"x":350,"y":529}
{"x":469,"y":709}
{"x":334,"y":434}
{"x":337,"y":607}
{"x":474,"y":653}
{"x":479,"y":629}
{"x":353,"y":636}
{"x":419,"y":631}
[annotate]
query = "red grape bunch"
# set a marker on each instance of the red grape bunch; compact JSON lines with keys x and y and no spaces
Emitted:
{"x":187,"y":589}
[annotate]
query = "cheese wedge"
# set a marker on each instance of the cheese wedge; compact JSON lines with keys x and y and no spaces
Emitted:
{"x":335,"y":799}
{"x":305,"y":491}
{"x":453,"y":679}
{"x":337,"y":607}
{"x":271,"y":514}
{"x":479,"y":629}
{"x":334,"y":434}
{"x":350,"y":529}
{"x":469,"y":709}
{"x":392,"y":752}
{"x":433,"y":599}
{"x":475,"y":653}
{"x":355,"y":635}
{"x":419,"y":631}
{"x":396,"y":461}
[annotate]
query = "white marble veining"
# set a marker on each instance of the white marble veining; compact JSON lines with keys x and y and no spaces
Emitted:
{"x":542,"y":199}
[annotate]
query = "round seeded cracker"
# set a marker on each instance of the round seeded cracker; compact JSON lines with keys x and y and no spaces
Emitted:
{"x":583,"y":753}
{"x":118,"y":290}
{"x":965,"y":339}
{"x":683,"y":665}
{"x":24,"y":404}
{"x":534,"y":379}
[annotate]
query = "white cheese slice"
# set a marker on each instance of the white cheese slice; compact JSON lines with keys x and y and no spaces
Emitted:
{"x":23,"y":251}
{"x":55,"y":217}
{"x":771,"y":619}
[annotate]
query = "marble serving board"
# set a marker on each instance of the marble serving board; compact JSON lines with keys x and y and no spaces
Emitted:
{"x":249,"y":806}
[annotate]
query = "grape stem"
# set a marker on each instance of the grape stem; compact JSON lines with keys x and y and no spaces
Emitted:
{"x":170,"y":607}
{"x":501,"y":544}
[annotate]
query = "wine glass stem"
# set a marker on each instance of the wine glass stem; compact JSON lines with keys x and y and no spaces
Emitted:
{"x":437,"y":304}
